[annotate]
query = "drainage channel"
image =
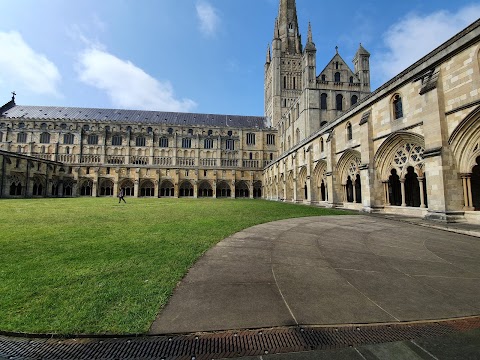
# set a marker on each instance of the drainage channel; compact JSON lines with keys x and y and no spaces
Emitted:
{"x":228,"y":344}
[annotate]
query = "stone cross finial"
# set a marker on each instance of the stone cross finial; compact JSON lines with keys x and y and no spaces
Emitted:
{"x":336,"y":49}
{"x":13,"y":95}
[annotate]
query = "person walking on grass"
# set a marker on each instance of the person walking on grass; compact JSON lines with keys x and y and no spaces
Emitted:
{"x":121,"y":194}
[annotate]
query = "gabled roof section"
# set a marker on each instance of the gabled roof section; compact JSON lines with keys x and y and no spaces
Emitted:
{"x":132,"y":116}
{"x":336,"y":58}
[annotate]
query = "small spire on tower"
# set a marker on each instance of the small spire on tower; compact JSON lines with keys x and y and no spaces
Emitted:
{"x":310,"y":37}
{"x":269,"y":55}
{"x":276,"y":31}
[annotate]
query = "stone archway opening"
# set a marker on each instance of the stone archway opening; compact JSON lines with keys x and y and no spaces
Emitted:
{"x":394,"y":188}
{"x":205,"y":189}
{"x":167,"y":189}
{"x":147,"y":189}
{"x":242,"y":190}
{"x":128,"y":188}
{"x":349,"y":189}
{"x":223,"y":190}
{"x":86,"y":188}
{"x":475,"y":183}
{"x":412,"y":188}
{"x":186,"y":189}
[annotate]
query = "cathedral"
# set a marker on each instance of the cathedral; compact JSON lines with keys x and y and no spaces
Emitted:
{"x":410,"y":147}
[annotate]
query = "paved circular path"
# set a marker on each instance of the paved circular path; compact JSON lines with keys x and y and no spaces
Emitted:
{"x":324,"y":271}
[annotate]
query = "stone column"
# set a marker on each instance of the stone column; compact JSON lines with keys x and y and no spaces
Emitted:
{"x":94,"y":188}
{"x":354,"y":192}
{"x":422,"y":194}
{"x":60,"y":187}
{"x":402,"y":186}
{"x":135,"y":188}
{"x":295,"y":190}
{"x":465,"y":192}
{"x":195,"y":189}
{"x":95,"y":182}
{"x":469,"y":191}
{"x":386,"y":193}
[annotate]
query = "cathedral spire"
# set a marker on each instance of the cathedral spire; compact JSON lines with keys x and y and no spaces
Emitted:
{"x":310,"y":46}
{"x":288,"y":27}
{"x":310,"y":37}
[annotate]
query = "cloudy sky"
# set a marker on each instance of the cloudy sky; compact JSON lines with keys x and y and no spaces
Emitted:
{"x":202,"y":56}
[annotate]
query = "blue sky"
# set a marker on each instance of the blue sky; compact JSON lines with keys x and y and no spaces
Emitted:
{"x":202,"y":56}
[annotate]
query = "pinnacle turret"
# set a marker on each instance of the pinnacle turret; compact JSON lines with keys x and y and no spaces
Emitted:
{"x":310,"y":44}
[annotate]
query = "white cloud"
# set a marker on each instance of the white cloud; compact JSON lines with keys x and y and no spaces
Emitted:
{"x":127,"y":85}
{"x":208,"y":17}
{"x":22,"y":66}
{"x":415,"y":36}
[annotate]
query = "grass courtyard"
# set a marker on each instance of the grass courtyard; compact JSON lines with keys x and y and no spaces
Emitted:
{"x":93,"y":266}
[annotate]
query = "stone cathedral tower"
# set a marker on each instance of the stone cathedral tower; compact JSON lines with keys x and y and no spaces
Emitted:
{"x":298,"y":102}
{"x":283,"y":67}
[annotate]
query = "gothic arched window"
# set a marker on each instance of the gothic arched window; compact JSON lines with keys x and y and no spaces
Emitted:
{"x":397,"y":107}
{"x":349,"y":132}
{"x":44,"y":138}
{"x":323,"y":101}
{"x":354,"y":99}
{"x":140,"y":141}
{"x":337,"y":77}
{"x":339,"y":102}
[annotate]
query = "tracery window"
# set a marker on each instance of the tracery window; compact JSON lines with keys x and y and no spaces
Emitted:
{"x":208,"y":144}
{"x":250,"y":139}
{"x":68,"y":138}
{"x":163,"y":142}
{"x":186,"y":143}
{"x":92,"y":139}
{"x":270,"y":139}
{"x":140,"y":141}
{"x":186,"y":189}
{"x":22,"y":137}
{"x":230,"y":144}
{"x":45,"y":138}
{"x":117,"y":140}
{"x":409,"y":153}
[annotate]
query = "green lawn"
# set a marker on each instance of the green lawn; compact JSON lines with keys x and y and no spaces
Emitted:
{"x":91,"y":265}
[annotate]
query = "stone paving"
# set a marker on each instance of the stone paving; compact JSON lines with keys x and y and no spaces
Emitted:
{"x":327,"y":270}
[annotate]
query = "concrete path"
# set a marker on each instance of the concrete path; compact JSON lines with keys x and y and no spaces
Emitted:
{"x":327,"y":270}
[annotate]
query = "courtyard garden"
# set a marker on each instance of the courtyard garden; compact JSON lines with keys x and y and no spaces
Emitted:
{"x":93,"y":266}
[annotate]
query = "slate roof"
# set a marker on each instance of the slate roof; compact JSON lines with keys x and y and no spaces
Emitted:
{"x":132,"y":116}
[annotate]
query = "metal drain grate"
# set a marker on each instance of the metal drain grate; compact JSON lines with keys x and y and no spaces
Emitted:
{"x":228,"y":344}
